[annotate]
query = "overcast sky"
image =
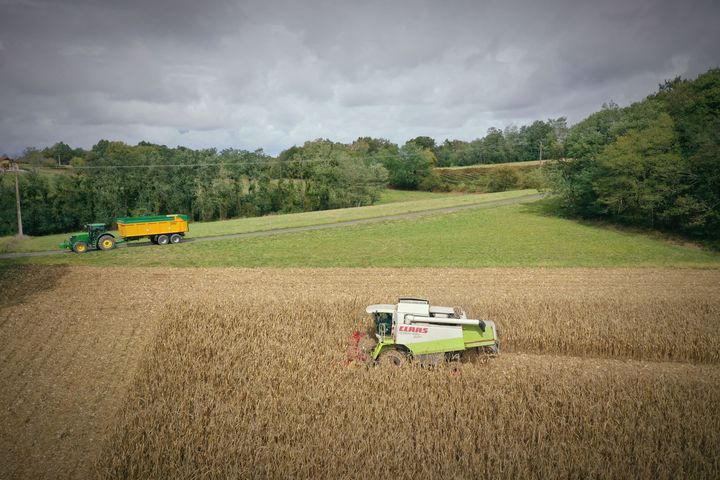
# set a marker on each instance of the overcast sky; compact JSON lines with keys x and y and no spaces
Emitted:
{"x":272,"y":74}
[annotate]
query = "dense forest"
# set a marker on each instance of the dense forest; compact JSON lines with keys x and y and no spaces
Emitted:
{"x":537,"y":141}
{"x":62,"y":188}
{"x":113,"y":180}
{"x":652,"y":164}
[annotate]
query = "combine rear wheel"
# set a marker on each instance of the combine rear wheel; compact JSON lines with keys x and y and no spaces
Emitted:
{"x":162,"y":240}
{"x":106,"y":242}
{"x":392,"y":356}
{"x":80,"y":247}
{"x":431,"y":360}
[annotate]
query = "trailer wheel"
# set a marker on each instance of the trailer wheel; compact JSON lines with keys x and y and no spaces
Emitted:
{"x":106,"y":242}
{"x":175,"y":238}
{"x":162,"y":240}
{"x":392,"y":356}
{"x":153,"y":239}
{"x":80,"y":247}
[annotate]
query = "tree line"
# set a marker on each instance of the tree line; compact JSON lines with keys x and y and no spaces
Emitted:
{"x":64,"y":188}
{"x":113,"y":179}
{"x":654,"y":164}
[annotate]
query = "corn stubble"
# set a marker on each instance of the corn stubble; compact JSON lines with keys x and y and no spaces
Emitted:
{"x":602,"y":384}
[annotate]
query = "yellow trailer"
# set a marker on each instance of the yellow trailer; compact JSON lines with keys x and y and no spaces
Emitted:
{"x":161,"y":229}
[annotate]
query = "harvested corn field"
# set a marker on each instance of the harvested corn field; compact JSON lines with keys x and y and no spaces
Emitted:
{"x":242,"y":373}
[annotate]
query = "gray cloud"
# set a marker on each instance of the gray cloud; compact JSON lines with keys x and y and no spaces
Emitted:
{"x":271,"y":74}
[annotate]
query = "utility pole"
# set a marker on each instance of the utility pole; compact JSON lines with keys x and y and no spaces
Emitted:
{"x":17,"y":199}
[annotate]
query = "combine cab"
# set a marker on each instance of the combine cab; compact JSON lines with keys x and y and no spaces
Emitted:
{"x":413,"y":329}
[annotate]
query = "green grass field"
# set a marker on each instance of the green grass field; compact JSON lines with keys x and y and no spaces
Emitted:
{"x":529,"y":163}
{"x":393,"y":196}
{"x":508,"y":236}
{"x":395,"y":203}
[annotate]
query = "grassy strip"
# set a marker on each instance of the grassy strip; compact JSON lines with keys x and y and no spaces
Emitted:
{"x":392,"y":196}
{"x":244,"y":225}
{"x":509,"y":236}
{"x":529,"y":163}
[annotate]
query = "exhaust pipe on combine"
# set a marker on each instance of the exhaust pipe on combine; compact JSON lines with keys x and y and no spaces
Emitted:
{"x":445,"y":321}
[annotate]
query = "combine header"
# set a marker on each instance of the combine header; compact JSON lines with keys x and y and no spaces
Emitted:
{"x":413,"y":329}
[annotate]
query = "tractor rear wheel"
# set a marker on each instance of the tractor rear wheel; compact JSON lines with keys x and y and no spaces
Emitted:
{"x":175,"y":238}
{"x":80,"y":247}
{"x":162,"y":240}
{"x":106,"y":242}
{"x":393,"y":357}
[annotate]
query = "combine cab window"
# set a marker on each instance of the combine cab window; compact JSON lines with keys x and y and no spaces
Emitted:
{"x":383,"y":323}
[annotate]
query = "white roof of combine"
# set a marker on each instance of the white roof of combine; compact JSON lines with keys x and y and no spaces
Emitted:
{"x":381,"y":307}
{"x":445,"y":310}
{"x":390,"y":308}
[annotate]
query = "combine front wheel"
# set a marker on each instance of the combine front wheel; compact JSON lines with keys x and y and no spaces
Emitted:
{"x":392,"y":357}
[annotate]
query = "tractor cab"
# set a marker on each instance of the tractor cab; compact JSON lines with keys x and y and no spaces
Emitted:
{"x":95,"y":231}
{"x":96,"y":237}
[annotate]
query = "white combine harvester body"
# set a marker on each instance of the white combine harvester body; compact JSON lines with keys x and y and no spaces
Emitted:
{"x":415,"y":328}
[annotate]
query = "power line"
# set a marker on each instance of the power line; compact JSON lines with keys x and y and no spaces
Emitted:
{"x":172,"y":165}
{"x":268,"y":162}
{"x":443,"y":172}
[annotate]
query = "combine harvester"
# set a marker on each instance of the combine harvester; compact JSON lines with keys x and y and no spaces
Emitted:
{"x":413,"y":329}
{"x":161,"y":230}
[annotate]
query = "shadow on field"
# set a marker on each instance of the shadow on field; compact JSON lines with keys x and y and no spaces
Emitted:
{"x":551,"y":207}
{"x":546,"y":207}
{"x":150,"y":244}
{"x":20,"y":282}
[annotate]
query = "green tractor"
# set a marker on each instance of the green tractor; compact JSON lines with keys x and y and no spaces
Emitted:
{"x":160,"y":229}
{"x":97,"y":237}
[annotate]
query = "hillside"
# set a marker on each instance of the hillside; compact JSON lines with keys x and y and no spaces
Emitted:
{"x":507,"y":236}
{"x":394,"y":202}
{"x":494,"y":176}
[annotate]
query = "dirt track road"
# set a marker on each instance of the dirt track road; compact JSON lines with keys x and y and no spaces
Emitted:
{"x":281,"y":231}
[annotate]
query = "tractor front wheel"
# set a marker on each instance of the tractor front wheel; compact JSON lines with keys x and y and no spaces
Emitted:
{"x":175,"y":238}
{"x":80,"y":247}
{"x":393,"y":357}
{"x":162,"y":240}
{"x":106,"y":242}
